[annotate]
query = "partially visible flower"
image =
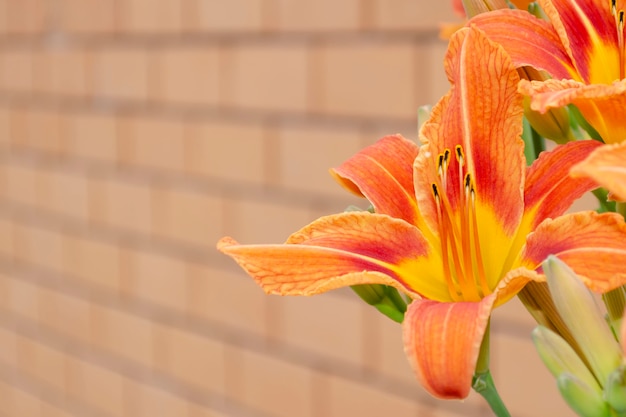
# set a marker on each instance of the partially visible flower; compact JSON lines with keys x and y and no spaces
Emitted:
{"x":460,"y":224}
{"x":582,"y":48}
{"x":607,"y":166}
{"x":593,"y":384}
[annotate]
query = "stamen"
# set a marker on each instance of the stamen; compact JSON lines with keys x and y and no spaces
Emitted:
{"x":619,"y":26}
{"x":453,"y":289}
{"x":477,"y":253}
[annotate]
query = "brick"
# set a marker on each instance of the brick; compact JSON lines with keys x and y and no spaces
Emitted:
{"x":325,"y":15}
{"x":226,"y":297}
{"x":44,"y":131}
{"x":27,"y":17}
{"x":346,"y":397}
{"x":190,"y":358}
{"x":143,"y":400}
{"x":274,"y":386}
{"x":5,"y":129}
{"x":8,"y":340}
{"x":326,"y":325}
{"x":62,"y":71}
{"x":121,"y":73}
{"x":48,"y":365}
{"x":158,"y":279}
{"x":251,"y":221}
{"x":40,"y":247}
{"x":64,"y":193}
{"x":383,"y":73}
{"x":267,"y":77}
{"x":92,"y":136}
{"x":189,"y":75}
{"x":17,"y":402}
{"x":50,"y":410}
{"x":308,"y":153}
{"x":21,"y":184}
{"x":122,"y":334}
{"x":16,"y":72}
{"x":6,"y":238}
{"x":103,"y":389}
{"x":229,"y":151}
{"x":154,"y":143}
{"x":233,"y":16}
{"x":410,"y":15}
{"x":96,"y":263}
{"x":126,"y":205}
{"x":23,"y":299}
{"x":524,"y":383}
{"x":187,"y":216}
{"x":147,"y":16}
{"x":18,"y":127}
{"x":393,"y":362}
{"x":65,"y":314}
{"x":88,"y":16}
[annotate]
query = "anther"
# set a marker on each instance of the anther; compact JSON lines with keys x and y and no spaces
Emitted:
{"x":460,"y":157}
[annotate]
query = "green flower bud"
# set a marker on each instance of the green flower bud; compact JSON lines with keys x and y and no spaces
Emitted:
{"x":585,"y":401}
{"x":560,"y":358}
{"x":583,"y":317}
{"x":615,"y":390}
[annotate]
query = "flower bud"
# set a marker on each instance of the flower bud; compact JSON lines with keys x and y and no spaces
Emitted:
{"x":585,"y":401}
{"x":583,"y":317}
{"x":615,"y":390}
{"x":560,"y":358}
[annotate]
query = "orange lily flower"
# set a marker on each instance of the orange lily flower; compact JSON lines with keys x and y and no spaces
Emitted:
{"x":607,"y":166}
{"x":460,"y":223}
{"x":582,"y":48}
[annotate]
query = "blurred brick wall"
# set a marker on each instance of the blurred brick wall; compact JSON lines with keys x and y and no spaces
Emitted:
{"x":135,"y":133}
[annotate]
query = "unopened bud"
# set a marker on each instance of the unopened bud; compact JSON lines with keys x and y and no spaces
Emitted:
{"x":615,"y":390}
{"x":585,"y":401}
{"x":583,"y":317}
{"x":559,"y":357}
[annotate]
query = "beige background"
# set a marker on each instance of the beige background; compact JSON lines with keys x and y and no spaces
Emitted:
{"x":135,"y":133}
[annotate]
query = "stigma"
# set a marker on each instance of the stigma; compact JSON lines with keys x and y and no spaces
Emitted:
{"x":455,"y":199}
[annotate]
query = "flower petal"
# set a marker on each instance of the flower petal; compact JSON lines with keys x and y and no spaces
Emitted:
{"x":483,"y":114}
{"x":588,"y":33}
{"x":549,"y":191}
{"x":607,"y":166}
{"x":442,"y":341}
{"x":341,"y":250}
{"x":592,"y":244}
{"x":528,"y":40}
{"x":601,"y":105}
{"x":383,"y":173}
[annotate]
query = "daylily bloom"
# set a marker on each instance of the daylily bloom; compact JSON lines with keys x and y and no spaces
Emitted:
{"x":460,"y":223}
{"x":582,"y":48}
{"x":607,"y":166}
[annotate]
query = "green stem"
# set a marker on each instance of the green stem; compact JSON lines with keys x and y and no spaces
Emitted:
{"x":605,"y":205}
{"x":483,"y":384}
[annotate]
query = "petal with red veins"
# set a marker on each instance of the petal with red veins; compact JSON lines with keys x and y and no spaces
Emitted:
{"x":607,"y":166}
{"x":592,"y":244}
{"x":442,"y":342}
{"x":341,"y":250}
{"x":528,"y":40}
{"x":383,"y":173}
{"x":549,"y":191}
